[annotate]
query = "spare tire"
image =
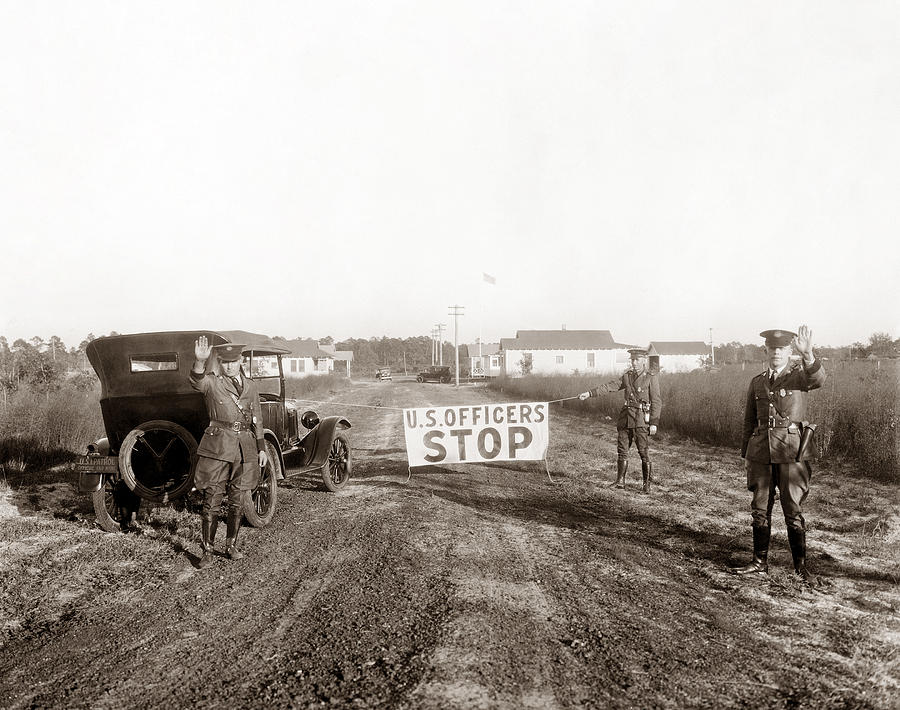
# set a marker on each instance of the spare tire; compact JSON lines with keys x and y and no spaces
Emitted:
{"x":157,"y":460}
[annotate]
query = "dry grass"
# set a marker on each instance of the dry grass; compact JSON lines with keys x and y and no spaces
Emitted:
{"x":857,"y":409}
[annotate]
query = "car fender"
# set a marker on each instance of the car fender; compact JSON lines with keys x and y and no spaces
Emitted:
{"x":317,"y":442}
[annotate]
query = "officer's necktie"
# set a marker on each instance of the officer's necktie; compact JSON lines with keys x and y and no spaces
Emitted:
{"x":237,"y":385}
{"x":771,"y":378}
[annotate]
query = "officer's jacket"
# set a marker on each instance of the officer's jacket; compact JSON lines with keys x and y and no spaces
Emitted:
{"x":641,"y":396}
{"x":229,"y":412}
{"x":773,"y":415}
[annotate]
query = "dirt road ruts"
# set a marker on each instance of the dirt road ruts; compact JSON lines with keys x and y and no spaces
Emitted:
{"x":470,"y":586}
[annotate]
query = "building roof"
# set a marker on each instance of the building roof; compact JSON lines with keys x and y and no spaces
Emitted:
{"x":337,"y":354}
{"x":561,"y":340}
{"x":486,"y":349}
{"x":678,"y":347}
{"x":304,"y":347}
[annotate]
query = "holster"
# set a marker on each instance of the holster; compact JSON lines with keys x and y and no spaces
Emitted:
{"x":807,"y":443}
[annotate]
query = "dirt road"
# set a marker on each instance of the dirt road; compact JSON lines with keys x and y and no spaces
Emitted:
{"x":478,"y":586}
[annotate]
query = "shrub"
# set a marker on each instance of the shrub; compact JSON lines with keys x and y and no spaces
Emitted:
{"x":39,"y":428}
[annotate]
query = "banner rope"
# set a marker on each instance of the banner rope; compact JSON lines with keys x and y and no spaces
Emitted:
{"x":398,"y":409}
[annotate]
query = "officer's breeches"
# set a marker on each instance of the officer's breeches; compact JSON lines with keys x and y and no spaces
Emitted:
{"x":216,"y":478}
{"x":641,"y":438}
{"x":792,"y":481}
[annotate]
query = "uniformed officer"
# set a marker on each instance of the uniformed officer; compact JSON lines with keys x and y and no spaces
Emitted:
{"x":639,"y":418}
{"x":777,"y":443}
{"x":232,"y":449}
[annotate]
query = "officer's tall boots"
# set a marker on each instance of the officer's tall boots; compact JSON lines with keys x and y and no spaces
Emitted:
{"x":233,"y":523}
{"x":207,"y":538}
{"x":759,"y":563}
{"x":647,"y":471}
{"x":797,"y":541}
{"x":621,"y":470}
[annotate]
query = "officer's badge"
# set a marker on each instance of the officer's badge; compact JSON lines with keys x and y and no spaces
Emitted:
{"x":782,"y":392}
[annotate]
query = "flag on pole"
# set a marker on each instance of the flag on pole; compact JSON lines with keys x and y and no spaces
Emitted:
{"x":490,"y":279}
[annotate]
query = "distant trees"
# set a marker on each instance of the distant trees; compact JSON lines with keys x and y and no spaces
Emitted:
{"x":44,"y":365}
{"x":396,"y":353}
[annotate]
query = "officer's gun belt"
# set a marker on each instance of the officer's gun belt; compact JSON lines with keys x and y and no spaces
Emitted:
{"x":775,"y":423}
{"x":234,"y":426}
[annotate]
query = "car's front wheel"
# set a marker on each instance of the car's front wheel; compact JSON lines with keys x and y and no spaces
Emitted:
{"x":259,"y":509}
{"x":419,"y":378}
{"x":337,"y":470}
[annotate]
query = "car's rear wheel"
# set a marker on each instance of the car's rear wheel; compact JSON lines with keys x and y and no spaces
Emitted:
{"x":115,"y":506}
{"x":259,"y":508}
{"x":157,"y":460}
{"x":419,"y":378}
{"x":339,"y":466}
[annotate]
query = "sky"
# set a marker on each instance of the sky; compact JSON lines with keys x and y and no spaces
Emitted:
{"x":662,"y":170}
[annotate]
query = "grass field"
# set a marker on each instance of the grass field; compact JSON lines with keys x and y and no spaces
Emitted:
{"x":856,"y":410}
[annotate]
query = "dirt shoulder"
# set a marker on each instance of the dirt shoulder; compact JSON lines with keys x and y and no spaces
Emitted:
{"x":493,"y":586}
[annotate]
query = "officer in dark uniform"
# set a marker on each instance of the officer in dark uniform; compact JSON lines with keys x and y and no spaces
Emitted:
{"x":232,"y":449}
{"x":639,"y":418}
{"x":777,"y":443}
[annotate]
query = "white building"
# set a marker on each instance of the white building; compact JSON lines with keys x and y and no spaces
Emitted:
{"x":678,"y":356}
{"x":563,"y":352}
{"x":342,"y":358}
{"x":306,"y":358}
{"x":484,"y":359}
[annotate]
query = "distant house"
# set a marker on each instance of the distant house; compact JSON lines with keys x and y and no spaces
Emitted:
{"x":562,"y":352}
{"x":678,"y":356}
{"x":484,"y":359}
{"x":342,"y":358}
{"x":306,"y":358}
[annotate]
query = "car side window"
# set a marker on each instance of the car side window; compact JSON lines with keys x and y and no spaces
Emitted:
{"x":153,"y":362}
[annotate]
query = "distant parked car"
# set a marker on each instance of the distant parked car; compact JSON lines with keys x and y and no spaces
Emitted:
{"x":434,"y":373}
{"x":383,"y":373}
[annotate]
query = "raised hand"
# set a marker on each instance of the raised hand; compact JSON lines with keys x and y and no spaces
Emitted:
{"x":803,"y":342}
{"x":202,"y":348}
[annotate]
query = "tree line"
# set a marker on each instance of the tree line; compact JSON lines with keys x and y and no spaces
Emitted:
{"x":46,"y":364}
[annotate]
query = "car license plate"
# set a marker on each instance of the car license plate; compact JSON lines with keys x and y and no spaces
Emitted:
{"x":97,"y":464}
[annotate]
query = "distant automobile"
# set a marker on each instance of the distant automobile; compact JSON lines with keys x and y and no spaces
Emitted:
{"x":383,"y":373}
{"x":434,"y":373}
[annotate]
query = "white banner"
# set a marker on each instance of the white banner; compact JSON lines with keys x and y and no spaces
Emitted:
{"x":477,"y":433}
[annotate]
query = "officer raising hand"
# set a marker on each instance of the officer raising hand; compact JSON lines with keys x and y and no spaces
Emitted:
{"x":232,"y":449}
{"x":777,"y":444}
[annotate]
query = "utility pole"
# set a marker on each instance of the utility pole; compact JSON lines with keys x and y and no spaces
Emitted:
{"x":456,"y":312}
{"x":712,"y":349}
{"x":433,"y":346}
{"x":440,"y":333}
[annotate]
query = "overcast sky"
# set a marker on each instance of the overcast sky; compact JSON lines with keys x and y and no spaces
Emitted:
{"x":351,"y":169}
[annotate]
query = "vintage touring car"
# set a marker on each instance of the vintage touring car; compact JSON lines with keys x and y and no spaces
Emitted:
{"x":153,"y":420}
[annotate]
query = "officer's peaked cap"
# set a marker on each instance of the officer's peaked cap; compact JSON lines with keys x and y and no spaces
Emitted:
{"x":229,"y":352}
{"x":778,"y":338}
{"x":638,"y":352}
